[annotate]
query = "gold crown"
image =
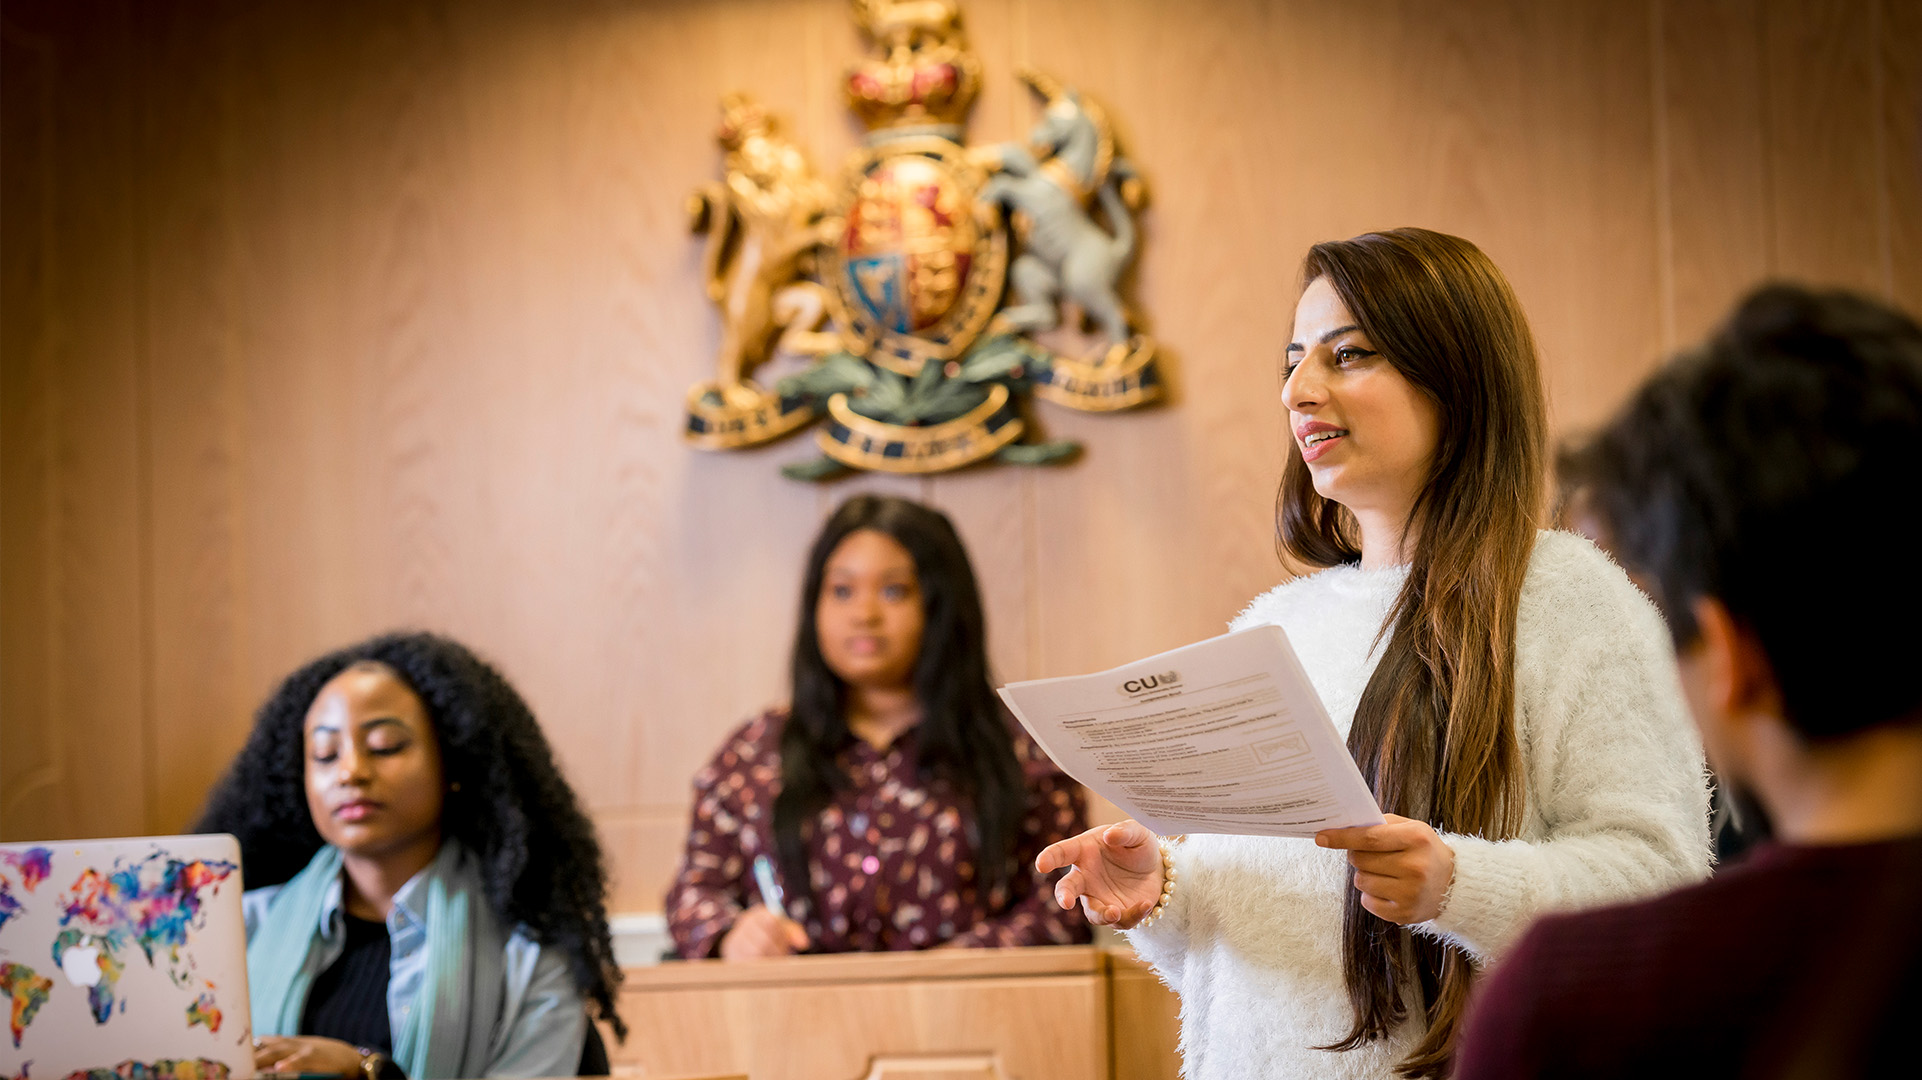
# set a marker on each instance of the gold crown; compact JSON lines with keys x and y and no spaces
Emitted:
{"x":926,"y":86}
{"x":922,"y":73}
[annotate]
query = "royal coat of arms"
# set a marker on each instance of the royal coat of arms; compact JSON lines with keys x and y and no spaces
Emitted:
{"x":909,"y":301}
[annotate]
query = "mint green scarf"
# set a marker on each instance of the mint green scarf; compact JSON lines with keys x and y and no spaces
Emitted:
{"x":451,"y":1029}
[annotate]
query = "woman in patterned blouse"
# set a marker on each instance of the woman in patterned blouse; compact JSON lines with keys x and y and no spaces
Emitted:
{"x":897,"y":803}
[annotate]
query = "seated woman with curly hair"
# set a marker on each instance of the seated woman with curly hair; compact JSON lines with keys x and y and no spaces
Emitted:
{"x":433,"y":900}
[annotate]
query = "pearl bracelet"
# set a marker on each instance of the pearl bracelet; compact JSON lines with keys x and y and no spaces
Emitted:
{"x":1167,"y":885}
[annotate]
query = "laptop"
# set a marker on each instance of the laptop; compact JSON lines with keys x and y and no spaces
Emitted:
{"x":124,"y":960}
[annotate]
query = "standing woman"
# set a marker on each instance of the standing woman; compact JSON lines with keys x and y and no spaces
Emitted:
{"x":1507,"y":692}
{"x":893,"y":800}
{"x":426,"y":896}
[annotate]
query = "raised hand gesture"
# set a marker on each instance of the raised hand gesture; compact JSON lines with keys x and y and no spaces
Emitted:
{"x":1116,"y":873}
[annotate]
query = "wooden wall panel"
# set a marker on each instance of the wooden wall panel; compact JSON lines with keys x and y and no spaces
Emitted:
{"x":1899,"y":34}
{"x":707,"y":627}
{"x":1825,"y":142}
{"x":325,"y":318}
{"x":1774,"y":171}
{"x":1589,"y":296}
{"x":197,"y":320}
{"x":30,"y":752}
{"x":74,"y":733}
{"x":1713,"y":142}
{"x":1145,"y":544}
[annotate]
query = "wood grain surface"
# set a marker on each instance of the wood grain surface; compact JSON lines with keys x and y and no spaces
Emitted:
{"x":324,"y":318}
{"x":1146,"y":1030}
{"x":1015,"y":1013}
{"x":869,"y":968}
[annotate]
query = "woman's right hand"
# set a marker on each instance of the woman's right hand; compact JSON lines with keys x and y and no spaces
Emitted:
{"x":760,"y":933}
{"x":1116,"y":875}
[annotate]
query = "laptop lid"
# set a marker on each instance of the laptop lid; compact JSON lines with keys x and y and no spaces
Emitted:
{"x":124,"y":959}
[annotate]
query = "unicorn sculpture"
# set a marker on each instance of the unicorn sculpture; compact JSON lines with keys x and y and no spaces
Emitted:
{"x":1048,"y":191}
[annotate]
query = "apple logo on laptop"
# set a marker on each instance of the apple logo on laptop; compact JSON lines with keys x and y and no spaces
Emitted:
{"x":82,"y":965}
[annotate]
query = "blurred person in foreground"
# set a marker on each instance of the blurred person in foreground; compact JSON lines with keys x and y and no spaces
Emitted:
{"x":1735,"y":823}
{"x":1731,"y":483}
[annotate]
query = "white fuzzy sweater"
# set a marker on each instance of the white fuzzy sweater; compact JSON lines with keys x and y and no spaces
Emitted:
{"x":1616,"y":808}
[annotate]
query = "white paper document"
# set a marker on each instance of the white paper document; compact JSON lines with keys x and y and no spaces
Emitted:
{"x":1222,"y":736}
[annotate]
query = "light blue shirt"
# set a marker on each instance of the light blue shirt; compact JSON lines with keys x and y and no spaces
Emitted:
{"x":543,"y":1018}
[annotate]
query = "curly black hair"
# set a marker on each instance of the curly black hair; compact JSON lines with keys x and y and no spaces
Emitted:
{"x":540,"y":860}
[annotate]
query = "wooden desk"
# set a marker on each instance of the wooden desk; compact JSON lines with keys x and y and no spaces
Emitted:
{"x":1144,"y":1019}
{"x":1069,"y":1013}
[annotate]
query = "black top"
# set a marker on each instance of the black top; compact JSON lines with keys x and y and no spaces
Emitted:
{"x":349,"y":1000}
{"x":1796,"y":961}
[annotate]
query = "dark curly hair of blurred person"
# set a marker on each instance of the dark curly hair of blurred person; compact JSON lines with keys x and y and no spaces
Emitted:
{"x":1788,"y":440}
{"x":540,"y":860}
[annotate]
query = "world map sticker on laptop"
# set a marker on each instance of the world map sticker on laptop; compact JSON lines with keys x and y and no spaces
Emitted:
{"x":124,"y":960}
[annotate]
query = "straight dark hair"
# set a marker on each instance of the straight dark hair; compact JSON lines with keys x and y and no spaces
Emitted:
{"x":963,"y":737}
{"x":1434,"y":731}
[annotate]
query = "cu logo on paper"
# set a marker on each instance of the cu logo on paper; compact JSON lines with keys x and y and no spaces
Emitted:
{"x":1146,"y":684}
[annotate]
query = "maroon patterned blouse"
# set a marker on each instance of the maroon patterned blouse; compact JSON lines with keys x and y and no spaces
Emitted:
{"x":892,"y":864}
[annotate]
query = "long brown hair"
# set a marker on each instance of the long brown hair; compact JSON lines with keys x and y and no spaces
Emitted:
{"x":1435,"y":729}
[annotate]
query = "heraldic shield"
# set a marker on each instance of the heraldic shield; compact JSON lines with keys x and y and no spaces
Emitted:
{"x":921,"y":263}
{"x":930,"y":362}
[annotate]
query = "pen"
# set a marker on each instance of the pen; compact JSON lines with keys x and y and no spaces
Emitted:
{"x":771,"y":894}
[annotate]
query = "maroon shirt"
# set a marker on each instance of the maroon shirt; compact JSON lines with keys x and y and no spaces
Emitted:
{"x":891,"y":860}
{"x":1797,"y":961}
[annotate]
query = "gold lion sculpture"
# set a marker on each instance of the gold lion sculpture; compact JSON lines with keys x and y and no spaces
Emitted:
{"x":762,"y":225}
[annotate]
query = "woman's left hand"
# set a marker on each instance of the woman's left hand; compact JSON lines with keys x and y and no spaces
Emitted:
{"x":305,"y":1054}
{"x":1402,"y":868}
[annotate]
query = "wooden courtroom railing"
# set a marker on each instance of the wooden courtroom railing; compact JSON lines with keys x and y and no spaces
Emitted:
{"x":1065,"y":1013}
